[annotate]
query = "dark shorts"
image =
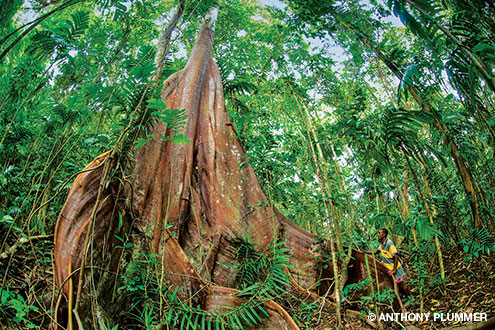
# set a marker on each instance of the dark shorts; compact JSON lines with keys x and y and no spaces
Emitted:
{"x":399,"y":274}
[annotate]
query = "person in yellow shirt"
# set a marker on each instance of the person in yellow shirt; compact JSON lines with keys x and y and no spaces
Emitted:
{"x":390,"y":258}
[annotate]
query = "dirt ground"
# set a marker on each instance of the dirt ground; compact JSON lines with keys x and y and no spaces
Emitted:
{"x":469,"y":288}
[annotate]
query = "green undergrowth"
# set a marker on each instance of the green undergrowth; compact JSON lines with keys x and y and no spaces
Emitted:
{"x":258,"y":275}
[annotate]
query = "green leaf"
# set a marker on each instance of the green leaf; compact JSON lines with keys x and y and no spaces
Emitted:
{"x":79,"y":23}
{"x":484,"y":48}
{"x":181,"y":139}
{"x":183,"y":322}
{"x":236,"y":317}
{"x":157,"y":104}
{"x":142,"y":141}
{"x":169,"y":316}
{"x":248,"y":310}
{"x":407,"y":81}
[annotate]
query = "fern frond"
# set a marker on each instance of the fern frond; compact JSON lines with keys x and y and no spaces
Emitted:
{"x":78,"y":24}
{"x":265,"y":270}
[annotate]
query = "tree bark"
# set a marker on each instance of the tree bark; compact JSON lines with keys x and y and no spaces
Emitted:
{"x":187,"y":204}
{"x":164,"y":40}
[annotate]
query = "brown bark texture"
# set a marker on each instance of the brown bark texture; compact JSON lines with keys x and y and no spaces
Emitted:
{"x":205,"y":193}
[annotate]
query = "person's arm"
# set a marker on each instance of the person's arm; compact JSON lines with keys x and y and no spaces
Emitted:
{"x":372,"y":252}
{"x":396,"y":262}
{"x":395,"y":254}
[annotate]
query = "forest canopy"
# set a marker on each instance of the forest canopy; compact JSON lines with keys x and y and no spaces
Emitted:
{"x":352,"y":116}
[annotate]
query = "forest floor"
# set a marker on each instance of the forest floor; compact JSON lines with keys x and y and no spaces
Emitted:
{"x":469,"y":288}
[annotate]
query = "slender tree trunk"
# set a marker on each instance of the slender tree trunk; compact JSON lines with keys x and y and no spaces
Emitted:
{"x":385,"y":85}
{"x":404,"y":205}
{"x":437,"y":241}
{"x":164,"y":40}
{"x":428,"y":212}
{"x":462,"y":168}
{"x":332,"y":223}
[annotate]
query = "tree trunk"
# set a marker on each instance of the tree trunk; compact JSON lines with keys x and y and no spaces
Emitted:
{"x":428,"y":210}
{"x":187,"y":205}
{"x":164,"y":40}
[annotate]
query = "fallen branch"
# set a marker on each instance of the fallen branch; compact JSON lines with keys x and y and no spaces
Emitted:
{"x":20,"y":241}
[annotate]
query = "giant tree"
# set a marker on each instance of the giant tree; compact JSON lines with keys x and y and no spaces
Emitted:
{"x":186,"y":201}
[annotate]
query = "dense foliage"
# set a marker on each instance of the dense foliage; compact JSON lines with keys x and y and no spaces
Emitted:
{"x":382,"y":110}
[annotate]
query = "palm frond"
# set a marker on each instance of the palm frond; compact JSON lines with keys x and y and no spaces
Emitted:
{"x":240,"y":86}
{"x":78,"y":24}
{"x":478,"y":241}
{"x":426,"y":229}
{"x":407,"y":81}
{"x":43,"y":44}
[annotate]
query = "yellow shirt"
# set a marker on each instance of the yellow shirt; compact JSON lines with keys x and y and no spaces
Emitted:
{"x":387,"y":252}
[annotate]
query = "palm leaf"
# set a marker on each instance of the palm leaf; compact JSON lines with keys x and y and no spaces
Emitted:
{"x":407,"y":81}
{"x":43,"y":44}
{"x":78,"y":24}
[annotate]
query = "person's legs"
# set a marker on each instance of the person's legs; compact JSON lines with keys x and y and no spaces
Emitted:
{"x":399,"y":278}
{"x":404,"y":289}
